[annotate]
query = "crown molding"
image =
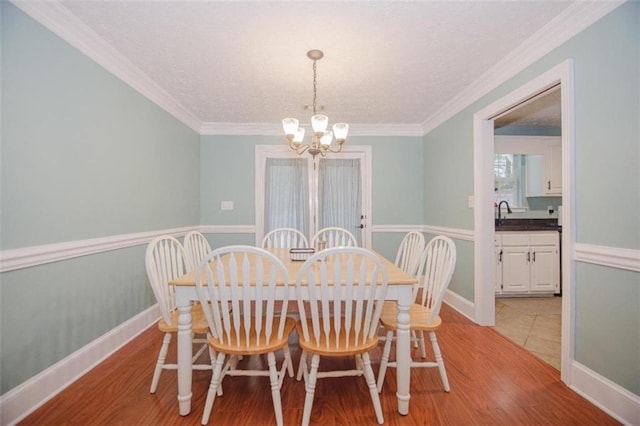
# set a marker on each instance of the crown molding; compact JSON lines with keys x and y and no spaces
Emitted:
{"x":566,"y":25}
{"x":270,"y":129}
{"x":55,"y":17}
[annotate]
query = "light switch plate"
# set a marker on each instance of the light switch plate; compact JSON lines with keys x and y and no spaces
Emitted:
{"x":471,"y":201}
{"x":226,"y":205}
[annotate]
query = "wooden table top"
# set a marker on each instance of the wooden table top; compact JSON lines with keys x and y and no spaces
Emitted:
{"x":396,"y":276}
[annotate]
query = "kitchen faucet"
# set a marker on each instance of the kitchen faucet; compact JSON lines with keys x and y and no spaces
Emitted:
{"x":500,"y":209}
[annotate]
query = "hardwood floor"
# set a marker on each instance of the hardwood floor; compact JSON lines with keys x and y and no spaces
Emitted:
{"x":493,"y":381}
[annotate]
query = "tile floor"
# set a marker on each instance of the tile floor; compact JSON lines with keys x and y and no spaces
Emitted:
{"x":533,"y":323}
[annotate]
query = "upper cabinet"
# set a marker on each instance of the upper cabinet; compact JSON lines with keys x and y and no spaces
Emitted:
{"x":543,"y":161}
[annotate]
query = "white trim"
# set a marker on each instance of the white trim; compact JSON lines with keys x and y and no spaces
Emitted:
{"x":620,"y":258}
{"x":30,"y":395}
{"x":483,"y":143}
{"x":457,"y":234}
{"x":615,"y":400}
{"x":57,"y":18}
{"x":228,"y":229}
{"x":275,"y":129}
{"x":37,"y":255}
{"x":571,"y":21}
{"x":460,"y":304}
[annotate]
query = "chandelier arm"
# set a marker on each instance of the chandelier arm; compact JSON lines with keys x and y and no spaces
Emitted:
{"x":329,"y":148}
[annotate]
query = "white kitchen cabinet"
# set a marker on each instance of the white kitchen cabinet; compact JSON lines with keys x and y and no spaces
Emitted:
{"x":527,"y":262}
{"x":544,"y":171}
{"x":553,"y":169}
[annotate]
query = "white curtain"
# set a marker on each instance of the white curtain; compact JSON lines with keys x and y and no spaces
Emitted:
{"x":340,"y":195}
{"x":286,"y":201}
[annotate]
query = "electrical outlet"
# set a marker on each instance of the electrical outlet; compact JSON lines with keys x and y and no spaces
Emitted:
{"x":226,"y":205}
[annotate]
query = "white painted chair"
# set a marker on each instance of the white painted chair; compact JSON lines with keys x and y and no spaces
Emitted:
{"x":245,"y":319}
{"x":285,"y":238}
{"x":197,"y":247}
{"x":342,"y":320}
{"x":333,"y":237}
{"x":165,"y":260}
{"x":439,"y":263}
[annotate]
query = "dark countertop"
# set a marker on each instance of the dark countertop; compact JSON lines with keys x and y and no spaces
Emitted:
{"x":525,"y":224}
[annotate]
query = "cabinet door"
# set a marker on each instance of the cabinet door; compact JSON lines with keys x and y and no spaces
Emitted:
{"x":553,"y":170}
{"x":515,"y":269}
{"x":498,"y":265}
{"x":545,"y":274}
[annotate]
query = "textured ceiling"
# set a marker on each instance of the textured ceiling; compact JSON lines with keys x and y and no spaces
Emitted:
{"x":386,"y":62}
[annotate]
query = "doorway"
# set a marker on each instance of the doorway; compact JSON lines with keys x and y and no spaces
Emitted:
{"x":309,"y":194}
{"x":484,"y":266}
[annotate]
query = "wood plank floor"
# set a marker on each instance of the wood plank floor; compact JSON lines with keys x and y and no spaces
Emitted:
{"x":493,"y":382}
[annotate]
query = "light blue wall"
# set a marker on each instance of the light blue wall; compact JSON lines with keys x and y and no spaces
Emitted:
{"x":82,"y":156}
{"x":607,"y":124}
{"x":227,"y":164}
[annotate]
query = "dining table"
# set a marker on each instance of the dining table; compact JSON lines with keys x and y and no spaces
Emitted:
{"x":400,"y":289}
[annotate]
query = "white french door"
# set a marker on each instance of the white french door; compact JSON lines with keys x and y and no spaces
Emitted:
{"x":309,"y":194}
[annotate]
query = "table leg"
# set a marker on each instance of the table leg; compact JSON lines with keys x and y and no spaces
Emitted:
{"x":185,"y":352}
{"x":403,"y":349}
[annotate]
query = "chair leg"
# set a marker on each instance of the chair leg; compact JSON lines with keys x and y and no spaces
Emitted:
{"x":160,"y":362}
{"x":213,"y":388}
{"x":439,"y":360}
{"x":275,"y":387}
{"x":371,"y":382}
{"x":302,"y":367}
{"x":423,"y":349}
{"x":385,"y":359}
{"x":310,"y":382}
{"x":287,"y":360}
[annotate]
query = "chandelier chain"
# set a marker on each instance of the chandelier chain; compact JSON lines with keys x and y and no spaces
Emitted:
{"x":315,"y":90}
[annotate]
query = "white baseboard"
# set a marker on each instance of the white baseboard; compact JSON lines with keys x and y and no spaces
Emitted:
{"x":613,"y":399}
{"x":460,"y":304}
{"x":28,"y":396}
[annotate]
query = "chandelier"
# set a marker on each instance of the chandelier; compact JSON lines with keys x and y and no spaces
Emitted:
{"x":322,"y":139}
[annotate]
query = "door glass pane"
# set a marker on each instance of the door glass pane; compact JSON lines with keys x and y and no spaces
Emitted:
{"x":286,"y":194}
{"x":339,"y":195}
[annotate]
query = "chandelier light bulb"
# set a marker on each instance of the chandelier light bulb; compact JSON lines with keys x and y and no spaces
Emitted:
{"x":319,"y":123}
{"x":326,"y":139}
{"x":290,"y":126}
{"x":298,"y":137}
{"x":340,"y":131}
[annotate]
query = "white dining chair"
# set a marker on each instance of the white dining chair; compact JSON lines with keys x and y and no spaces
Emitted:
{"x":165,"y":260}
{"x":285,"y":238}
{"x":439,"y":263}
{"x":339,"y":320}
{"x":197,"y":247}
{"x":333,"y":237}
{"x":238,"y":295}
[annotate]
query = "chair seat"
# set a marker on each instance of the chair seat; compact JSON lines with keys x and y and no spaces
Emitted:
{"x":336,"y":346}
{"x":418,"y":317}
{"x":198,"y":321}
{"x":257,"y":344}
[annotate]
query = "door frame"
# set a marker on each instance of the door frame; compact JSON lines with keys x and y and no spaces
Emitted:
{"x":483,"y":144}
{"x":362,"y":152}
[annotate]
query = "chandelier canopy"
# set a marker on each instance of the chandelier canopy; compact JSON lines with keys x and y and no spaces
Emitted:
{"x":322,"y":139}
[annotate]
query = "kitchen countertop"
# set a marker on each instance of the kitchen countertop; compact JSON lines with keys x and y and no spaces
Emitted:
{"x":525,"y":224}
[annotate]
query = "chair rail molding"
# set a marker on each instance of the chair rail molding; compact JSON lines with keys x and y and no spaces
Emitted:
{"x":613,"y":257}
{"x":25,"y":257}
